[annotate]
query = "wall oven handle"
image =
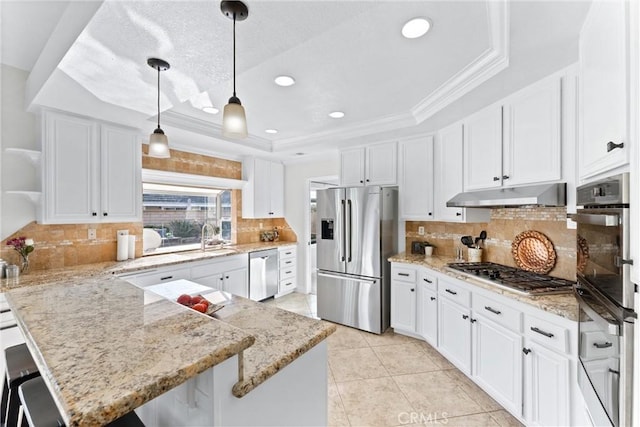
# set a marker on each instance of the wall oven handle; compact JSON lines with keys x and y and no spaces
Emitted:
{"x":612,"y":328}
{"x":605,"y":220}
{"x":354,"y":279}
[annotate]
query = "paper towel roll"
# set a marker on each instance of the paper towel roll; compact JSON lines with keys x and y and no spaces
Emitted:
{"x":123,"y":247}
{"x":132,"y":247}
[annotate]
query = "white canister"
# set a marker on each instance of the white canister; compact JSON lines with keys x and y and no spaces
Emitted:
{"x":131,"y":250}
{"x":474,"y":255}
{"x":428,"y":251}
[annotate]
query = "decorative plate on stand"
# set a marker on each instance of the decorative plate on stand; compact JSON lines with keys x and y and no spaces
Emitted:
{"x":533,"y":251}
{"x":583,"y":253}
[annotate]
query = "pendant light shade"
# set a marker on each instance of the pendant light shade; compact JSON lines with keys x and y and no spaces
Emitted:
{"x":158,"y":141}
{"x":234,"y":120}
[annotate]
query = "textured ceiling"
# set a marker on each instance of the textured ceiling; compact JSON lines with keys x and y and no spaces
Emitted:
{"x":344,"y":55}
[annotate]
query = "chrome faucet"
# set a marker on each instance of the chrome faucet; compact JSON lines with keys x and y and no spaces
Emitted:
{"x":204,"y":234}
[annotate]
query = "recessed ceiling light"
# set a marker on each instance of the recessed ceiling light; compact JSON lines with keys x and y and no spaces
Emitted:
{"x":210,"y":110}
{"x":416,"y":27}
{"x":271,"y":130}
{"x":336,"y":114}
{"x":284,"y":80}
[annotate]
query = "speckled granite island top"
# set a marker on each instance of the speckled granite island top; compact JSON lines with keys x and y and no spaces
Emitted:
{"x":564,"y":305}
{"x":106,"y":347}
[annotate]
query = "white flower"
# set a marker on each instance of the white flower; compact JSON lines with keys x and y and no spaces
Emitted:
{"x":28,"y":242}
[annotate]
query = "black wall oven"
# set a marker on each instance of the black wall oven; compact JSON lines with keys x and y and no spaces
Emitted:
{"x":606,"y":300}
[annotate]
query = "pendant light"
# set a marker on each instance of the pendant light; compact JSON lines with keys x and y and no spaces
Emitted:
{"x":158,"y":142}
{"x":234,"y":121}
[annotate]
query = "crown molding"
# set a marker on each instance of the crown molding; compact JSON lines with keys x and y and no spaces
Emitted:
{"x":203,"y":127}
{"x":486,"y":65}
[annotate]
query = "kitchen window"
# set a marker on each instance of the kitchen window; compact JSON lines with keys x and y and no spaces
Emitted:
{"x":178,"y":213}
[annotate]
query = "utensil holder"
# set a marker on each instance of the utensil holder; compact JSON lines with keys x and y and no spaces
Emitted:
{"x":474,"y":255}
{"x":428,"y":251}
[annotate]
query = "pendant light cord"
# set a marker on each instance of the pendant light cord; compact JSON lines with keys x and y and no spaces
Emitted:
{"x":234,"y":54}
{"x":158,"y":97}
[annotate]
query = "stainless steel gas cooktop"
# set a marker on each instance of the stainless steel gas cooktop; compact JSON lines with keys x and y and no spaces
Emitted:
{"x":513,"y":279}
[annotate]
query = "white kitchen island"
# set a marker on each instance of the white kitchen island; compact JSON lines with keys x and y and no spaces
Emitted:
{"x":106,"y":347}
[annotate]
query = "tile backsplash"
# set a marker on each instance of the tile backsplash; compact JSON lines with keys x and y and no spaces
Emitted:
{"x":504,"y":225}
{"x":67,"y":245}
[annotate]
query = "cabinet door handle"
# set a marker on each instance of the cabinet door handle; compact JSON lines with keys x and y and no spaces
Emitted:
{"x":473,"y":320}
{"x":166,"y":278}
{"x":493,"y":310}
{"x":602,"y":345}
{"x":433,"y":298}
{"x":427,"y":280}
{"x":226,"y":277}
{"x":526,"y":350}
{"x":458,"y":213}
{"x":403,"y":274}
{"x":430,"y":213}
{"x":505,"y":176}
{"x":94,"y":213}
{"x":612,"y":146}
{"x":451,"y":292}
{"x":541,"y":332}
{"x":368,"y":180}
{"x":361,"y":182}
{"x":496,"y":178}
{"x":105,"y":214}
{"x":613,"y":371}
{"x":221,"y":278}
{"x":465,"y":316}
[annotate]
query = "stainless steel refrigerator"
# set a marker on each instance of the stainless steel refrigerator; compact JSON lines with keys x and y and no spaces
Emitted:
{"x":357,"y":233}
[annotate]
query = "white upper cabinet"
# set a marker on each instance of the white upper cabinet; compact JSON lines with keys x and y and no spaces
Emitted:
{"x":517,"y":143}
{"x":532,"y":134}
{"x":371,"y":165}
{"x":416,"y":179}
{"x":120,"y":166}
{"x":483,"y":149}
{"x":263,"y":194}
{"x":91,"y":172}
{"x":603,"y":89}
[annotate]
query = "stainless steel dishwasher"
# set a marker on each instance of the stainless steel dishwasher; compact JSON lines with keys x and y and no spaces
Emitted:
{"x":263,"y":274}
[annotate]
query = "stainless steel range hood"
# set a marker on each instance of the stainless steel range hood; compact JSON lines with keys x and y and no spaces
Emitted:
{"x":539,"y":195}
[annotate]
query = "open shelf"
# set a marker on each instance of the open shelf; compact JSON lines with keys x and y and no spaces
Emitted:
{"x":32,"y":155}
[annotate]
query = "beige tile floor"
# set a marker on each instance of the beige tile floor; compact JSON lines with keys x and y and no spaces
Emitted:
{"x":394,"y":380}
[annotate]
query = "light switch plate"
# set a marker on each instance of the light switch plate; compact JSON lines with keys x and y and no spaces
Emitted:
{"x":91,"y":235}
{"x":421,"y":231}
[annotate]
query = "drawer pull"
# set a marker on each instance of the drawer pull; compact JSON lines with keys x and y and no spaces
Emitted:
{"x":287,"y":253}
{"x":287,"y":272}
{"x":433,"y":298}
{"x":613,"y":371}
{"x":403,"y":274}
{"x":473,"y":320}
{"x":612,"y":146}
{"x":288,"y":262}
{"x":4,"y":328}
{"x":6,"y":310}
{"x":602,"y":345}
{"x":166,"y":278}
{"x":451,"y":292}
{"x":427,"y":280}
{"x":541,"y":332}
{"x":413,"y":289}
{"x":493,"y":310}
{"x":526,"y":350}
{"x":288,"y":284}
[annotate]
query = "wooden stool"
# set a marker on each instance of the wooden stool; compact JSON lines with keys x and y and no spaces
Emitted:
{"x":20,"y":368}
{"x":40,"y":410}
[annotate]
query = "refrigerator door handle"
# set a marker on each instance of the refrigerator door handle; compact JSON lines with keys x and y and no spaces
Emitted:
{"x":350,"y":230}
{"x":343,"y":215}
{"x":355,"y":279}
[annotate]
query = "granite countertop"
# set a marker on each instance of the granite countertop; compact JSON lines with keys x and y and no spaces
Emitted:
{"x":564,"y":305}
{"x":144,"y":263}
{"x":106,"y":347}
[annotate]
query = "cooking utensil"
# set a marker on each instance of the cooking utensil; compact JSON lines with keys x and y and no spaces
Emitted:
{"x":483,"y":235}
{"x":467,"y":241}
{"x":476,"y":241}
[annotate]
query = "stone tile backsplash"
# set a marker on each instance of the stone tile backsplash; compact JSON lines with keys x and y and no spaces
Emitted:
{"x":505,"y":224}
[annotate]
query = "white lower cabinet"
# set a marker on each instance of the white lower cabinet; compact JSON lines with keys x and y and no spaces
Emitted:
{"x":287,"y":264}
{"x":497,"y":362}
{"x":520,"y":355}
{"x":236,"y":282}
{"x":403,"y":306}
{"x":454,"y":334}
{"x":546,"y":386}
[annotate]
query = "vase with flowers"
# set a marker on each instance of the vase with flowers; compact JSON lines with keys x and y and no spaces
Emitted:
{"x":24,"y":247}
